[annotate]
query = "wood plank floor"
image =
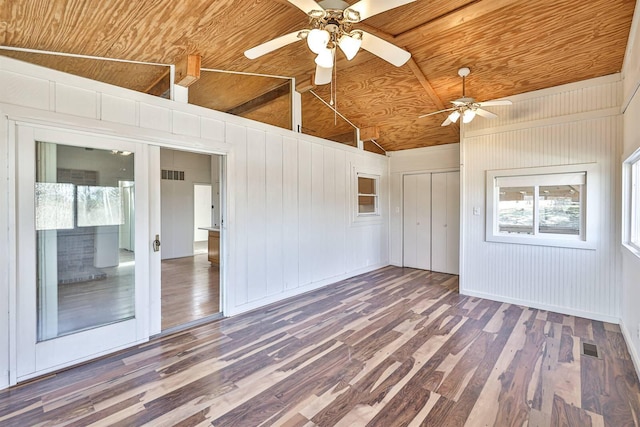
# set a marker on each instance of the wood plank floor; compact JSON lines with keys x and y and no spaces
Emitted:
{"x":395,"y":347}
{"x":190,"y":290}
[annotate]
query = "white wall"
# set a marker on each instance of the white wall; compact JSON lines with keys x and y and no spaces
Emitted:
{"x":430,"y":159}
{"x":289,"y":226}
{"x":178,"y":200}
{"x":630,"y":322}
{"x":7,"y":268}
{"x":571,"y":124}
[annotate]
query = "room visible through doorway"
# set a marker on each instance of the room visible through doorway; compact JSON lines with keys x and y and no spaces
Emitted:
{"x":190,"y":216}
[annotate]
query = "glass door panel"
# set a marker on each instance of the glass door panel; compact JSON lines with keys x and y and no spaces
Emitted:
{"x":85,"y":277}
{"x":84,"y":253}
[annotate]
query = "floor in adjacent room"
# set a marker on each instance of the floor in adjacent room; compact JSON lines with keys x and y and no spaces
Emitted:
{"x":395,"y":347}
{"x":190,"y":290}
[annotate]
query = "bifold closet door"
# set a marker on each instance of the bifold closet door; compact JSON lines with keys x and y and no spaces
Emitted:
{"x":417,"y":221}
{"x":445,"y":222}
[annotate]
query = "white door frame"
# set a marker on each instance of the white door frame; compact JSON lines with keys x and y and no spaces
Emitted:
{"x":155,"y":227}
{"x":28,"y":358}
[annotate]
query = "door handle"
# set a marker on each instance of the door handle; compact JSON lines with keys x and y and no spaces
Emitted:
{"x":156,"y":243}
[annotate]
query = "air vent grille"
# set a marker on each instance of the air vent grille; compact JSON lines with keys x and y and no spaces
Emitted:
{"x":590,"y":350}
{"x":173,"y":175}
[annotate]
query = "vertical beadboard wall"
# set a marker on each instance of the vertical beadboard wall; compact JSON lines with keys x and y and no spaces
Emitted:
{"x":630,"y":322}
{"x":570,"y":124}
{"x":429,"y":159}
{"x":291,"y":197}
{"x":294,"y":205}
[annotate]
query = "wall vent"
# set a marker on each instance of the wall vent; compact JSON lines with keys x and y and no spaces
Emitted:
{"x":173,"y":175}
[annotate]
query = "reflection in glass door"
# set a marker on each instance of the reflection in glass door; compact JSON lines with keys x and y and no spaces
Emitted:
{"x":85,"y":277}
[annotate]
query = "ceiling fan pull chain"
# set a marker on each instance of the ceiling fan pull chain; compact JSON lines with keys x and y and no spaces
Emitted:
{"x":334,"y":90}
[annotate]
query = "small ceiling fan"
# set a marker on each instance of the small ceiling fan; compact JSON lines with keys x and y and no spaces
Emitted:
{"x":468,"y":107}
{"x":331,"y":26}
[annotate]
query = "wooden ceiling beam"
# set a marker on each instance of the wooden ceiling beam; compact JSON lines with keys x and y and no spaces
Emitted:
{"x":424,"y":82}
{"x":415,"y":69}
{"x":305,"y":84}
{"x":187,"y":70}
{"x":261,"y":100}
{"x":369,"y":133}
{"x":161,"y":86}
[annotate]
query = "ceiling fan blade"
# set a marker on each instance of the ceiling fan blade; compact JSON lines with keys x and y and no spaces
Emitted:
{"x":306,"y":5}
{"x":495,"y":103}
{"x":446,"y":122}
{"x":436,"y":112}
{"x":271,"y":45}
{"x":368,"y":8}
{"x":323,"y":75}
{"x":486,"y":114}
{"x":385,"y":50}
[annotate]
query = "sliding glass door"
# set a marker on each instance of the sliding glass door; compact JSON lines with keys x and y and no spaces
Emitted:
{"x":83,"y":257}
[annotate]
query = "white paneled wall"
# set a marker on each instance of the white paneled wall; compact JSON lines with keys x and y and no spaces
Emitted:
{"x":298,"y":209}
{"x":290,"y":197}
{"x":572,"y":124}
{"x":630,"y":261}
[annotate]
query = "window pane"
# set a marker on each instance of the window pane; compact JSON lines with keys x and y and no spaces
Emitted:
{"x":635,"y":203}
{"x":515,"y":210}
{"x":366,"y":204}
{"x":366,"y":185}
{"x":560,"y":209}
{"x":99,"y":205}
{"x":85,"y":270}
{"x":54,"y":206}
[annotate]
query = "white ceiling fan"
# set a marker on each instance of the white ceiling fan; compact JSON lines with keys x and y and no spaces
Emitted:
{"x":466,"y":107}
{"x":331,"y":26}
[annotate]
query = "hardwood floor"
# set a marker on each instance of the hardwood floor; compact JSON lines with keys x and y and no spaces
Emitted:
{"x":395,"y":347}
{"x":190,"y":290}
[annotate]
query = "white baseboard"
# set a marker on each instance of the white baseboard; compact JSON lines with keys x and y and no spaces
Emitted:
{"x":632,"y":350}
{"x":234,"y":311}
{"x":531,"y":304}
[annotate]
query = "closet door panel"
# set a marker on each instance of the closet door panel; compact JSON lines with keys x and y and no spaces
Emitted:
{"x":439,"y":222}
{"x":417,"y":221}
{"x":445,"y":210}
{"x":423,"y":221}
{"x":453,"y":222}
{"x":409,"y":221}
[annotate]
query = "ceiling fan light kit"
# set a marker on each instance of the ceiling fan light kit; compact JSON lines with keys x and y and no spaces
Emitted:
{"x":325,"y":58}
{"x":467,"y":107}
{"x":468,"y":115}
{"x":317,"y":40}
{"x":350,"y":44}
{"x":331,"y":25}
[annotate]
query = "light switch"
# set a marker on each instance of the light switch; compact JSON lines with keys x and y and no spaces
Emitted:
{"x":397,"y":209}
{"x":476,"y":211}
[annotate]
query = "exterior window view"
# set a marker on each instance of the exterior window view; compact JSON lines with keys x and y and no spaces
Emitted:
{"x":557,"y":210}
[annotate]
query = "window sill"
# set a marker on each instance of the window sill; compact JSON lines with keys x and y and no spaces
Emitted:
{"x":537,"y":241}
{"x":370,"y":219}
{"x":632,"y":249}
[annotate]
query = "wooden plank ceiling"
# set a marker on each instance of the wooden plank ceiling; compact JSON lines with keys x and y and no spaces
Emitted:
{"x":511,"y":46}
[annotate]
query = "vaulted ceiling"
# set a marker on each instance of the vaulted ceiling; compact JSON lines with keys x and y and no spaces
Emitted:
{"x":511,"y":46}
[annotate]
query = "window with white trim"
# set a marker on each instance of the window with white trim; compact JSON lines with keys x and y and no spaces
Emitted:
{"x":367,"y":195}
{"x":547,"y":208}
{"x":632,"y":203}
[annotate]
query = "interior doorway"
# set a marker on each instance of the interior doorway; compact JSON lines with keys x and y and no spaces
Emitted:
{"x":190,"y":193}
